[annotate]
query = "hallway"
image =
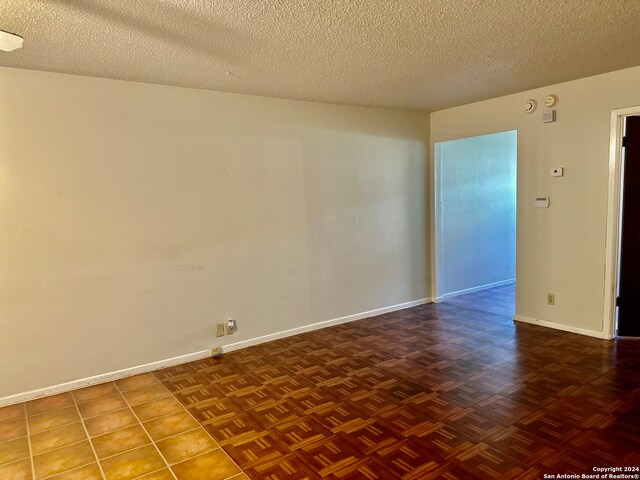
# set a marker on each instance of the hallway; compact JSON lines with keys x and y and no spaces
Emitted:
{"x":499,"y":300}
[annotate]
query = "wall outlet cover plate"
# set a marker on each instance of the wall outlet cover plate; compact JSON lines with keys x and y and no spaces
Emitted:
{"x":220,"y":330}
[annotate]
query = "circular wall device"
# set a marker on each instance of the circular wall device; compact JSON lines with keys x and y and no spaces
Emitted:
{"x":530,"y":106}
{"x":551,"y":101}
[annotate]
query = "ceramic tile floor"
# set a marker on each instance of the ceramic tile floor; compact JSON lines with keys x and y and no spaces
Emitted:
{"x":133,"y":428}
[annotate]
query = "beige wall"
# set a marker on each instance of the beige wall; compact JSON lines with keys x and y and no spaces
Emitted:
{"x":562,"y":249}
{"x":134,"y":217}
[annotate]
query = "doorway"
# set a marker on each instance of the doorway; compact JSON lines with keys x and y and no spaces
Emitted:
{"x":624,"y":321}
{"x":475,"y":221}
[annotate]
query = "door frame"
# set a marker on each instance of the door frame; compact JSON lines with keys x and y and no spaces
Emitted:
{"x":612,"y":240}
{"x":437,"y":288}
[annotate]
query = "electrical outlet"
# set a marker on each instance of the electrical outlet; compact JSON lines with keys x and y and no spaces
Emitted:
{"x":232,"y":326}
{"x":220,"y":328}
{"x":216,"y":351}
{"x":551,"y":298}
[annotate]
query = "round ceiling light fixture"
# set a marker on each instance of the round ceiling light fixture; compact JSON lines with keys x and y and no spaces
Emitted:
{"x":10,"y":41}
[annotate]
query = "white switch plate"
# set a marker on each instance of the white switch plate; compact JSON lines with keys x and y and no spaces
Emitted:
{"x":557,"y":171}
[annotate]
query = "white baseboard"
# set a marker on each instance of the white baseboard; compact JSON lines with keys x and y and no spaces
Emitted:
{"x":475,"y":289}
{"x":327,"y":323}
{"x":560,"y":326}
{"x":191,"y":357}
{"x":102,"y":378}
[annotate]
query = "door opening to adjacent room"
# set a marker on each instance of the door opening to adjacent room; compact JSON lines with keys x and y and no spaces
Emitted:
{"x":475,"y":221}
{"x":626,"y":317}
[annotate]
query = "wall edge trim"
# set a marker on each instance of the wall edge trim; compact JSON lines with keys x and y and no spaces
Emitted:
{"x":560,"y":326}
{"x":326,"y":323}
{"x":191,"y":357}
{"x":102,"y":378}
{"x":477,"y":289}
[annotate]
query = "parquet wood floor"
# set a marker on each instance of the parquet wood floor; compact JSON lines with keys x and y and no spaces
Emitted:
{"x":447,"y":391}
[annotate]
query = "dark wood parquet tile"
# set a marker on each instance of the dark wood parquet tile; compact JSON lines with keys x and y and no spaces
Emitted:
{"x":285,"y":467}
{"x":215,"y":410}
{"x":406,"y":420}
{"x":436,"y":406}
{"x":253,"y":448}
{"x":570,"y":462}
{"x":519,"y":444}
{"x":466,"y":393}
{"x":434,"y":380}
{"x":448,"y":391}
{"x":316,"y":401}
{"x":474,"y":423}
{"x":370,"y":402}
{"x":276,"y":412}
{"x":370,"y":470}
{"x":505,"y":410}
{"x":441,"y":440}
{"x":370,"y":436}
{"x":301,"y":433}
{"x":408,"y":460}
{"x":324,"y":376}
{"x":613,"y":445}
{"x":333,"y":457}
{"x":226,"y":430}
{"x":553,"y":429}
{"x":347,"y":388}
{"x":343,"y":418}
{"x":484,"y":461}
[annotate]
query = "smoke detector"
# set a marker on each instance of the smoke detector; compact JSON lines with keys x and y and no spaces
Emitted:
{"x":551,"y":101}
{"x":530,"y":106}
{"x":10,"y":41}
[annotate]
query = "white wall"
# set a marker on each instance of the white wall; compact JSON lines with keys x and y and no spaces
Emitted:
{"x":134,"y":217}
{"x":560,"y":249}
{"x":476,"y":211}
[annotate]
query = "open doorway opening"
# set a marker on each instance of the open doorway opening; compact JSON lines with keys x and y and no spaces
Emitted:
{"x":475,"y":191}
{"x":622,"y":272}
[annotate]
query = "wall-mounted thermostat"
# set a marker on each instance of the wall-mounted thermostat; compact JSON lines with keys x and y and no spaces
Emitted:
{"x":557,"y":171}
{"x":542,"y":202}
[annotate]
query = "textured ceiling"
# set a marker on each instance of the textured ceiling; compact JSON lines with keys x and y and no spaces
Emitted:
{"x":422,"y":55}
